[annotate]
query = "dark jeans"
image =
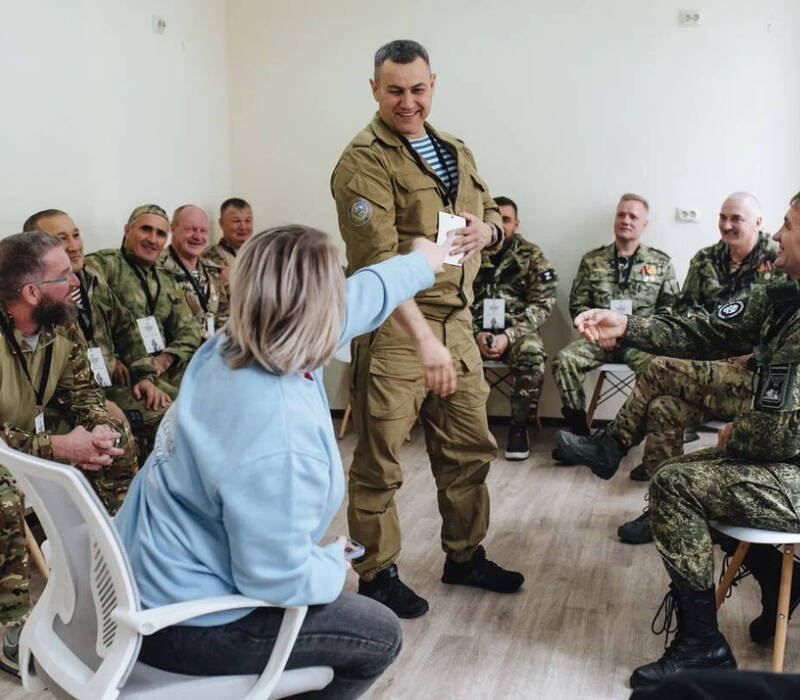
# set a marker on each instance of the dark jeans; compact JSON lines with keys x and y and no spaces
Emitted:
{"x":356,"y":636}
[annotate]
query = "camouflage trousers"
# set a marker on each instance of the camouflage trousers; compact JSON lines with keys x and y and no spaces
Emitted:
{"x":706,"y":485}
{"x":580,"y":357}
{"x":525,"y":359}
{"x":673,"y":395}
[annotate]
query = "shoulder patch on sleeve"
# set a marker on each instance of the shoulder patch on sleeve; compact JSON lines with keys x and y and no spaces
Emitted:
{"x":730,"y":310}
{"x":548,"y":275}
{"x":360,"y":212}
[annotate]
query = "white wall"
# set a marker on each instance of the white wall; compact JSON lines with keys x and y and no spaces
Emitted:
{"x":101,"y":114}
{"x":566,"y":104}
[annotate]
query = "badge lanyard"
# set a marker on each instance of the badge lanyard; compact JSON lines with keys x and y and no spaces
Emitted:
{"x":200,"y":295}
{"x":446,"y":198}
{"x":48,"y":359}
{"x":617,"y":259}
{"x":440,"y":155}
{"x":85,"y":315}
{"x":151,"y":303}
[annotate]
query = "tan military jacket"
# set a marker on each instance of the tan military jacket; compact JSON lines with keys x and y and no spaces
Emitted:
{"x":385,"y":199}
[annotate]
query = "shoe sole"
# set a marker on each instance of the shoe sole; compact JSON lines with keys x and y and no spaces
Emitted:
{"x":406,"y":616}
{"x":634,"y":682}
{"x":6,"y":665}
{"x":518,"y":455}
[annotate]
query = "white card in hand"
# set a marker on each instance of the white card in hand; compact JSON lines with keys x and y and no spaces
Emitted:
{"x":624,"y":306}
{"x":447,"y":223}
{"x":151,"y":334}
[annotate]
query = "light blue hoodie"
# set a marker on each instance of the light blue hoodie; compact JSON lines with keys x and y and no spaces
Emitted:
{"x":246,"y":476}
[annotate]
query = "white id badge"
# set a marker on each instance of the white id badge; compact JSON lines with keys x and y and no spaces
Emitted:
{"x":38,"y":422}
{"x":447,"y":223}
{"x":494,"y":314}
{"x":624,"y":306}
{"x":99,"y":368}
{"x":151,"y":334}
{"x":210,"y":325}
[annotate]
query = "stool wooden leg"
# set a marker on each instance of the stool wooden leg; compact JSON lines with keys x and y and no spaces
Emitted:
{"x":782,"y":622}
{"x":36,"y":553}
{"x":595,"y":398}
{"x":730,"y":572}
{"x":345,"y":418}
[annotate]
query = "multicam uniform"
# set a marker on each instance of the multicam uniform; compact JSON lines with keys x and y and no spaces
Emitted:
{"x":674,"y":394}
{"x":520,"y":275}
{"x":70,"y":391}
{"x":221,"y":254}
{"x":386,"y":196}
{"x":755,"y":480}
{"x":206,"y":294}
{"x":646,"y":280}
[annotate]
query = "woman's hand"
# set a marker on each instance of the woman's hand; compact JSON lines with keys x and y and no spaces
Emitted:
{"x":341,"y":540}
{"x":434,"y":254}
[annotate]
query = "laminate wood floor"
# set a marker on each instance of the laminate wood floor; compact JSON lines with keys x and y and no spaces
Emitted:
{"x":580,"y":623}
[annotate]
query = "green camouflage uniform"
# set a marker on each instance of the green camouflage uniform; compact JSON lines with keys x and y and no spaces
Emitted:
{"x":221,"y":254}
{"x":648,"y":280}
{"x":178,"y":325}
{"x":673,"y":394}
{"x":755,"y":480}
{"x":72,"y":394}
{"x":521,"y":275}
{"x":214,"y":303}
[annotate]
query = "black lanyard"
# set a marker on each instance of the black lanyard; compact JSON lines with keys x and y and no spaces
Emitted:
{"x":85,"y":314}
{"x":447,"y":200}
{"x":151,"y":303}
{"x":203,"y":297}
{"x":48,"y":360}
{"x":617,"y":260}
{"x":451,"y":191}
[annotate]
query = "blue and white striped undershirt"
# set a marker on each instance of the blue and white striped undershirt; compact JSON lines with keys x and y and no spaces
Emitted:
{"x":447,"y":172}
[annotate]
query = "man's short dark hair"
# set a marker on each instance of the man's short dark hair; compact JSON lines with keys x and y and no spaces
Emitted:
{"x":21,"y":260}
{"x":32,"y":222}
{"x":400,"y":51}
{"x":234,"y":203}
{"x":795,"y":201}
{"x":506,"y":202}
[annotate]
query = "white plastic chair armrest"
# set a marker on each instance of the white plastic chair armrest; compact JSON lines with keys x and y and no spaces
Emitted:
{"x":147,"y":622}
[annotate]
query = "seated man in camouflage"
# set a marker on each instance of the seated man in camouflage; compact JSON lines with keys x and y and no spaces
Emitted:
{"x":625,"y":276}
{"x":752,"y":480}
{"x":164,"y":322}
{"x":514,"y":293}
{"x":44,"y":369}
{"x":200,"y":279}
{"x":674,"y":394}
{"x":236,"y":223}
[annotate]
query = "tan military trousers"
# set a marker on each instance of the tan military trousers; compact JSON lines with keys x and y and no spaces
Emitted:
{"x":387,"y":394}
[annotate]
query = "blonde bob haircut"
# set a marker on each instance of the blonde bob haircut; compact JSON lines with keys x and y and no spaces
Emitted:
{"x":286,"y":301}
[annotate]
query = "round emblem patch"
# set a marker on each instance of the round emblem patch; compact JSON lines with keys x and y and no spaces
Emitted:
{"x":360,"y":212}
{"x":730,"y":310}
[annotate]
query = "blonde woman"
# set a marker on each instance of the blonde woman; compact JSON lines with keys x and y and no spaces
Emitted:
{"x":246,"y":477}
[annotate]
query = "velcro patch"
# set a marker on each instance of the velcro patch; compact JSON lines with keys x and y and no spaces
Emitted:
{"x":730,"y":310}
{"x":548,"y":275}
{"x":360,"y":212}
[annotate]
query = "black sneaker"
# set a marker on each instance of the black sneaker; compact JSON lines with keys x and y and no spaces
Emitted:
{"x":481,"y":573}
{"x":9,"y":650}
{"x":387,"y":588}
{"x":637,"y":531}
{"x":517,"y":446}
{"x":639,"y":473}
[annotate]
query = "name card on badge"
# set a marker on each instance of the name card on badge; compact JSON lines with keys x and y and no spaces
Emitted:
{"x":151,"y":334}
{"x":99,"y":368}
{"x":624,"y":306}
{"x":494,"y":314}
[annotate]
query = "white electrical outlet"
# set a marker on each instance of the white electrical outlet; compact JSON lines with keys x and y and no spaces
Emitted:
{"x":687,"y":216}
{"x":690,"y":18}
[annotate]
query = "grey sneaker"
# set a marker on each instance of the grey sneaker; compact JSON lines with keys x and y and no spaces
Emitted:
{"x":9,"y":649}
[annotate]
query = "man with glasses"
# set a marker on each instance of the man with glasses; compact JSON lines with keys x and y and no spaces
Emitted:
{"x":44,"y":371}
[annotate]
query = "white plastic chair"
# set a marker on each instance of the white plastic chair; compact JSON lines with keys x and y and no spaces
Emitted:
{"x":84,"y":633}
{"x":620,"y":380}
{"x":752,"y":535}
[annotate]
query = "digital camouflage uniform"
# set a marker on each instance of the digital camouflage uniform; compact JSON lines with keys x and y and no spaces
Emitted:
{"x":71,"y":393}
{"x":214,"y":302}
{"x":755,"y":480}
{"x":521,"y":275}
{"x":386,"y":196}
{"x":648,"y":280}
{"x":675,"y":394}
{"x":179,"y":329}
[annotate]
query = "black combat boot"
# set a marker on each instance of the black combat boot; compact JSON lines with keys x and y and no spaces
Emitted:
{"x":576,"y":420}
{"x":636,"y":531}
{"x":387,"y":588}
{"x":602,"y":454}
{"x":764,"y":562}
{"x":698,"y":642}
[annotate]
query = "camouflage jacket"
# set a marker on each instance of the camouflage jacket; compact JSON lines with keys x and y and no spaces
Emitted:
{"x":648,"y":280}
{"x":178,"y":326}
{"x":521,"y":275}
{"x":710,"y":283}
{"x":70,"y":389}
{"x":768,"y":320}
{"x":221,"y":254}
{"x":214,"y":301}
{"x":108,"y":321}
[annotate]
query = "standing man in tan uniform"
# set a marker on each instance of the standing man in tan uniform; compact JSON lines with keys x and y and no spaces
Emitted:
{"x":390,"y":185}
